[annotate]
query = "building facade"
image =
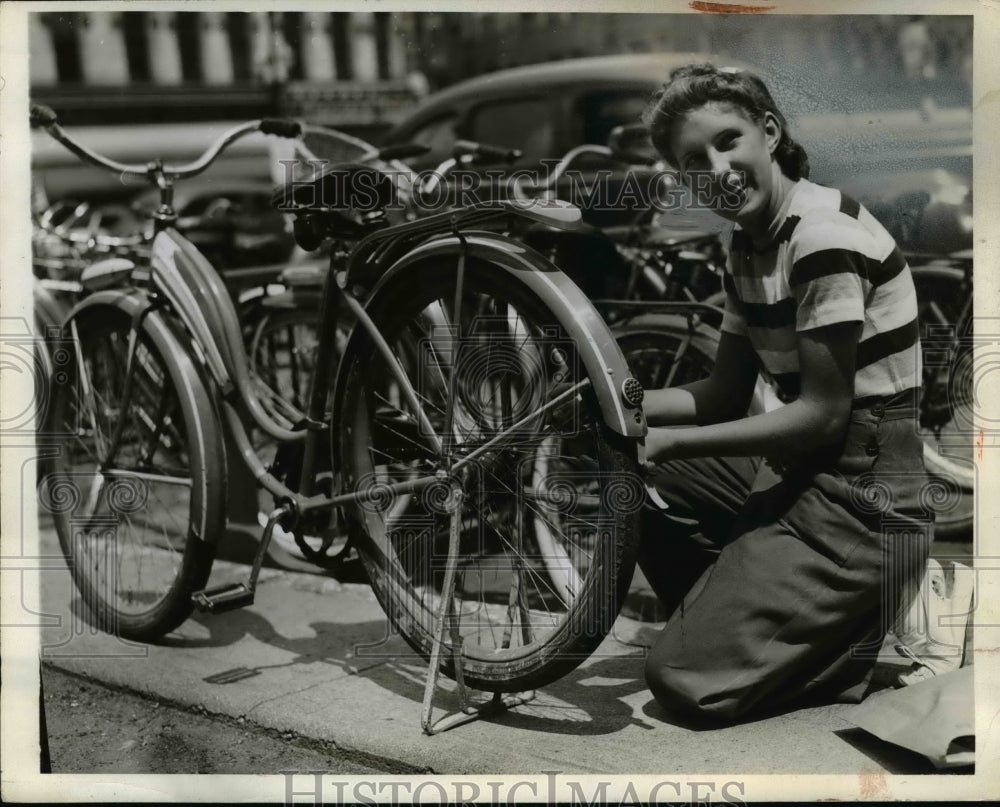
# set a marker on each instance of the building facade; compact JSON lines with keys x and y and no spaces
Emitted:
{"x":365,"y":68}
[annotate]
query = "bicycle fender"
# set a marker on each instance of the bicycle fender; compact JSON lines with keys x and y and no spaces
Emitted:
{"x":203,"y":304}
{"x":132,"y":301}
{"x":137,"y":304}
{"x":581,"y":322}
{"x":50,"y":309}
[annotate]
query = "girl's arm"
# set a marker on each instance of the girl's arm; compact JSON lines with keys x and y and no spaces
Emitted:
{"x":815,"y":420}
{"x":724,"y":395}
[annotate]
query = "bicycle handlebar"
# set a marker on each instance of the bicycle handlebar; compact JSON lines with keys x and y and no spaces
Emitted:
{"x":281,"y":127}
{"x":468,"y":152}
{"x":44,"y":117}
{"x":484,"y":152}
{"x":523,"y":186}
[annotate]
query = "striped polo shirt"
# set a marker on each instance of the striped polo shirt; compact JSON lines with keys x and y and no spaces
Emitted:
{"x":830,"y":261}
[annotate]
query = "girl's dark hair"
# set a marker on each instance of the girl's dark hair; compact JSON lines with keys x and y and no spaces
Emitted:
{"x":694,"y":85}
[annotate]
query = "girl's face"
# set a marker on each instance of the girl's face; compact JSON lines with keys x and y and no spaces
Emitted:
{"x":717,"y":138}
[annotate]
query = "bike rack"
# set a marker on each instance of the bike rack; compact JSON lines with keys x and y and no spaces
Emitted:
{"x":448,"y":620}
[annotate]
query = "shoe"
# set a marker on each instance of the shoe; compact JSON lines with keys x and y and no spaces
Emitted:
{"x":931,"y":632}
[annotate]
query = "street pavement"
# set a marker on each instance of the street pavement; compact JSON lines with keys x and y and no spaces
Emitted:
{"x":315,"y":657}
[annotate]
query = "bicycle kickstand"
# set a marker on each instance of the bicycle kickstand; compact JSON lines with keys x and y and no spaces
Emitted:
{"x":448,"y":619}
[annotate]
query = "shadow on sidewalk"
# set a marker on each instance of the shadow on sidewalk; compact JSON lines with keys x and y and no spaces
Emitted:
{"x":590,"y":700}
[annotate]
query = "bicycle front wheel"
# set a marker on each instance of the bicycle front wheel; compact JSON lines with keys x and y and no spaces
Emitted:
{"x":468,"y":408}
{"x":137,"y":491}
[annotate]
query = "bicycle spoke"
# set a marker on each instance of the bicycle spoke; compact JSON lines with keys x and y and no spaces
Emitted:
{"x":498,"y":440}
{"x":512,"y":548}
{"x":498,"y":381}
{"x":449,"y":415}
{"x":398,"y":373}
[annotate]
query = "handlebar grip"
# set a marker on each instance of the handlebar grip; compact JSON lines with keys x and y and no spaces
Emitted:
{"x":281,"y":127}
{"x":487,"y":153}
{"x":42,"y":115}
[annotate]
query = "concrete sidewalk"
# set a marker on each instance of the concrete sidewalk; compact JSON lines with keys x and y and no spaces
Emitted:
{"x":316,"y":657}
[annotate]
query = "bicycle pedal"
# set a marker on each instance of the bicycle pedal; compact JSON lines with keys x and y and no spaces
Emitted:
{"x":224,"y":598}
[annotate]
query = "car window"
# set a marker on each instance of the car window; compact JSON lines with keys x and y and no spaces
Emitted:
{"x":439,"y":136}
{"x":525,"y":123}
{"x":600,"y":112}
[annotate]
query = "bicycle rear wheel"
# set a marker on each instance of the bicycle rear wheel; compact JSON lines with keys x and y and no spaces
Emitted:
{"x":946,"y":405}
{"x":282,"y":353}
{"x":138,"y":527}
{"x":665,"y":353}
{"x":516,"y":629}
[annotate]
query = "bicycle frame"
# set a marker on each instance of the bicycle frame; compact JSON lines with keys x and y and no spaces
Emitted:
{"x":178,"y":298}
{"x":195,"y":293}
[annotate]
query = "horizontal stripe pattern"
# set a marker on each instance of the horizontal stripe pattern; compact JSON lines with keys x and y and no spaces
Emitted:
{"x":835,"y":261}
{"x":883,"y":345}
{"x":902,"y":371}
{"x":831,"y":262}
{"x":849,"y":207}
{"x":828,"y":300}
{"x":770,"y":315}
{"x":785,"y":232}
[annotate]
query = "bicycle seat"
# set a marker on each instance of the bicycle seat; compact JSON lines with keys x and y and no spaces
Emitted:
{"x":342,"y":187}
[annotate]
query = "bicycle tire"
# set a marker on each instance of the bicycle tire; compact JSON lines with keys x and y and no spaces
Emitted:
{"x":137,"y":546}
{"x":947,"y":451}
{"x":282,"y":352}
{"x":510,"y":353}
{"x":282,"y":348}
{"x":44,"y":369}
{"x":649,"y":344}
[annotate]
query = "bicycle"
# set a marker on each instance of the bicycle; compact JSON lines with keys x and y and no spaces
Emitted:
{"x":70,"y":236}
{"x":467,"y":353}
{"x":642,"y":264}
{"x":946,"y":414}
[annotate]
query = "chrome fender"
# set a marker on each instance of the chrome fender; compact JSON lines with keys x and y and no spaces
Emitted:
{"x":137,"y":304}
{"x":580,"y":321}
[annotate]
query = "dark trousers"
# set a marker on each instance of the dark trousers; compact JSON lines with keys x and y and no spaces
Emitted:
{"x":784,"y":583}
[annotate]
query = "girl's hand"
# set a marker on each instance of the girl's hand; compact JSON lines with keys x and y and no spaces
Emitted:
{"x":661,"y":445}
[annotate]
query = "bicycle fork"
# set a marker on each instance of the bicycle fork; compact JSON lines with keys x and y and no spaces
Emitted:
{"x":108,"y":450}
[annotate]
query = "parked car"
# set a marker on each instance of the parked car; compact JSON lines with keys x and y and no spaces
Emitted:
{"x":545,"y":110}
{"x":928,"y":211}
